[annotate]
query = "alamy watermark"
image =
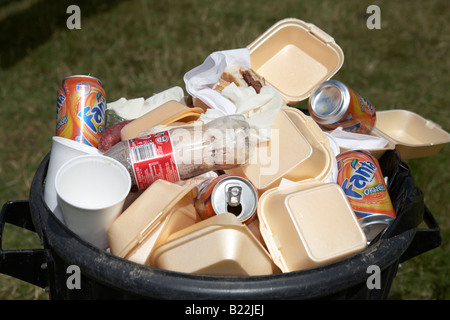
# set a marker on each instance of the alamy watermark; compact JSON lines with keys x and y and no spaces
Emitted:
{"x":219,"y":146}
{"x":74,"y":277}
{"x":74,"y":20}
{"x":374,"y":20}
{"x":374,"y":280}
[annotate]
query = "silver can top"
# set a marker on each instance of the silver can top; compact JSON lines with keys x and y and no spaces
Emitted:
{"x":329,"y":102}
{"x":82,"y":76}
{"x":375,"y":225}
{"x":235,"y":195}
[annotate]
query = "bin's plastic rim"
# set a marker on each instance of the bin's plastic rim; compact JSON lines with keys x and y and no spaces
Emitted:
{"x":146,"y":281}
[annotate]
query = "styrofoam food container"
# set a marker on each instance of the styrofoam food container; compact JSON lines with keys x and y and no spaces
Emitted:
{"x":294,"y":57}
{"x":220,"y":245}
{"x":135,"y":232}
{"x":309,"y":224}
{"x":412,"y":135}
{"x":298,"y":150}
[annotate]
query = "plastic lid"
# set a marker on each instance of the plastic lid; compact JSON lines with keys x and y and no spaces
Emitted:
{"x":309,"y":224}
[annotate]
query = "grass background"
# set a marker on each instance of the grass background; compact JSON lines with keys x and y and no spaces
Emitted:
{"x":136,"y":46}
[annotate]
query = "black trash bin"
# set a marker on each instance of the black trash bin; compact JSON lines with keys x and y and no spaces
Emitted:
{"x":105,"y":276}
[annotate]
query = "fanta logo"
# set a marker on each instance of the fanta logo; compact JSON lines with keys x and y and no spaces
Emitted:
{"x":363,"y":175}
{"x":59,"y":101}
{"x":92,"y":117}
{"x":101,"y":106}
{"x":101,"y":101}
{"x":361,"y":103}
{"x":365,"y":102}
{"x":354,"y":127}
{"x":83,"y":88}
{"x":61,"y":122}
{"x":375,"y":189}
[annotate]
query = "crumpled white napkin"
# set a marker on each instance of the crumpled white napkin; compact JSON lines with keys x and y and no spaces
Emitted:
{"x":260,"y":110}
{"x":351,"y":140}
{"x":199,"y":82}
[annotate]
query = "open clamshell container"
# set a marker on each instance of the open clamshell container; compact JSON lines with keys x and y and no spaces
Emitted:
{"x":220,"y":245}
{"x":309,"y":157}
{"x":294,"y":57}
{"x":409,"y":133}
{"x":160,"y":210}
{"x":309,"y":224}
{"x":412,"y":135}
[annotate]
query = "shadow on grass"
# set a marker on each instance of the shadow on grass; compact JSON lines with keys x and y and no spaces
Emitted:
{"x":23,"y":31}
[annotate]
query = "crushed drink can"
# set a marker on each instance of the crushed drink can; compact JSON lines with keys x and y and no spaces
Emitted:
{"x":333,"y":104}
{"x":227,"y":193}
{"x":360,"y":177}
{"x":80,"y":109}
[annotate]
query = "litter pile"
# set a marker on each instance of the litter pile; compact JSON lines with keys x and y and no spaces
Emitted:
{"x":230,"y":178}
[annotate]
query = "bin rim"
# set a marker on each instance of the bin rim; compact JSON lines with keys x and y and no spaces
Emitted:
{"x":146,"y":281}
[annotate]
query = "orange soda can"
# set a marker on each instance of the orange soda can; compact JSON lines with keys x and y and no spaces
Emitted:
{"x":80,"y":109}
{"x":227,"y":193}
{"x":360,"y":177}
{"x":333,"y":104}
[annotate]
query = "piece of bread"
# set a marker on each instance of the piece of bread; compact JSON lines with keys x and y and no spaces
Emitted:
{"x":231,"y":74}
{"x":241,"y":77}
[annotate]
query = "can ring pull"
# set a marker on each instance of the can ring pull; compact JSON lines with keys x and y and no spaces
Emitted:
{"x":234,"y":196}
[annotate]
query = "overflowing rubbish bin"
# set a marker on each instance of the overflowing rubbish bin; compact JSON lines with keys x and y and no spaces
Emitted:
{"x":327,"y":209}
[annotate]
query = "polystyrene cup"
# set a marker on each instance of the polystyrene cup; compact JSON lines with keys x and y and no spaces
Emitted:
{"x":63,"y":149}
{"x":91,"y":191}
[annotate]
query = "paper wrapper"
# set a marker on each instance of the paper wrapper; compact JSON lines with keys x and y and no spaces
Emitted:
{"x":260,"y":110}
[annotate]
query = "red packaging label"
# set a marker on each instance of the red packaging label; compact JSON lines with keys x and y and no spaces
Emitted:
{"x":153,"y":158}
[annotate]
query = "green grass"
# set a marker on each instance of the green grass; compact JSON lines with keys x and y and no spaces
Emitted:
{"x":137,"y":46}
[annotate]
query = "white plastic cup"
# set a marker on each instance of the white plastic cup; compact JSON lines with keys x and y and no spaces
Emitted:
{"x":91,"y":191}
{"x":63,"y":149}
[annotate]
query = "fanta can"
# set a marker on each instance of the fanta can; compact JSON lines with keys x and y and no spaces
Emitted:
{"x":360,"y":177}
{"x":227,"y":193}
{"x":80,"y":109}
{"x":333,"y":104}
